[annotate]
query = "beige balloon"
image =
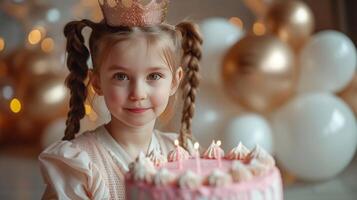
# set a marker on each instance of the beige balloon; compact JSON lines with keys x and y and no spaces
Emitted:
{"x":291,"y":21}
{"x":25,"y":63}
{"x":171,"y":110}
{"x":349,"y":94}
{"x":214,"y":110}
{"x":259,"y":7}
{"x":259,"y":73}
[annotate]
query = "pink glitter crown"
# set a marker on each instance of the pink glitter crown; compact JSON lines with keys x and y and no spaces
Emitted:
{"x":134,"y":12}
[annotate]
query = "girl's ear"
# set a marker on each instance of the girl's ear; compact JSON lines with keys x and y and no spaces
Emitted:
{"x":95,"y":81}
{"x":176,"y":80}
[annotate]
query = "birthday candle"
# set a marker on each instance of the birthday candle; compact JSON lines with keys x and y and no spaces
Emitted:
{"x":198,"y":162}
{"x":179,"y":156}
{"x":218,"y":144}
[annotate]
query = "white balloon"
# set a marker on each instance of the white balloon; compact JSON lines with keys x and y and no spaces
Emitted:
{"x":218,"y":36}
{"x":213,"y":111}
{"x":315,"y":136}
{"x":55,"y":130}
{"x":250,"y":129}
{"x":327,"y":62}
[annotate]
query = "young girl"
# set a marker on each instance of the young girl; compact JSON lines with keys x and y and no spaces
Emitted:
{"x":138,"y":69}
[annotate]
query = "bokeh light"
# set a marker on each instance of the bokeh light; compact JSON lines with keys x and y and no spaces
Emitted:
{"x":35,"y":36}
{"x":47,"y":45}
{"x":15,"y":105}
{"x":2,"y":44}
{"x":259,"y":28}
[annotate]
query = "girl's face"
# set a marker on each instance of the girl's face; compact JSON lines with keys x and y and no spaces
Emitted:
{"x":136,"y":82}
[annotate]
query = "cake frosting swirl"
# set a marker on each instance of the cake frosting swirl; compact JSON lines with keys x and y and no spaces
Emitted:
{"x":212,"y":151}
{"x":178,"y":153}
{"x":240,"y":172}
{"x":219,"y":178}
{"x":142,"y":169}
{"x":157,"y":158}
{"x":261,"y":155}
{"x":258,"y":168}
{"x":163,"y":177}
{"x":240,"y":152}
{"x":189,"y":179}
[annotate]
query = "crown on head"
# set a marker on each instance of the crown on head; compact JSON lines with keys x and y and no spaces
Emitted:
{"x":134,"y":12}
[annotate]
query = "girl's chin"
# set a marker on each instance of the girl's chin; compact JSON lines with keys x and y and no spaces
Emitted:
{"x":139,"y":122}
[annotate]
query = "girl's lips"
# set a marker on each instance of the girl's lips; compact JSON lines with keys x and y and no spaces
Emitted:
{"x":138,"y":110}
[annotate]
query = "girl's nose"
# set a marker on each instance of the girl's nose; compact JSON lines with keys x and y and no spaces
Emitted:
{"x":138,"y":91}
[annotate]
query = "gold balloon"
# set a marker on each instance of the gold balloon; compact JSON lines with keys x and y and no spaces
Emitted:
{"x":259,"y":72}
{"x":291,"y":21}
{"x":45,"y":97}
{"x":25,"y":63}
{"x":349,"y":95}
{"x":259,"y":7}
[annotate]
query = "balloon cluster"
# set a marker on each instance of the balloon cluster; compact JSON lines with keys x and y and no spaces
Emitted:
{"x":31,"y":94}
{"x":277,"y":87}
{"x":33,"y":97}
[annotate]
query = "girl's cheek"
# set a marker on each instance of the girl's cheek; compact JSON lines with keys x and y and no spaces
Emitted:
{"x":161,"y":95}
{"x":115,"y":95}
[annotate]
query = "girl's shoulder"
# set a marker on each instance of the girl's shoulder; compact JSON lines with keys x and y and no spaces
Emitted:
{"x":70,"y":150}
{"x":69,"y":171}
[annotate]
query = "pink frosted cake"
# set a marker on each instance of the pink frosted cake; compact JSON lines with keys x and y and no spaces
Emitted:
{"x":242,"y":174}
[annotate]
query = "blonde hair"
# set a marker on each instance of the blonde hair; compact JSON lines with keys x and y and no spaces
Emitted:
{"x":181,"y":46}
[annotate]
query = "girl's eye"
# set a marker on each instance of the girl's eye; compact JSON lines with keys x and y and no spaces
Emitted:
{"x":121,"y":77}
{"x":154,"y":76}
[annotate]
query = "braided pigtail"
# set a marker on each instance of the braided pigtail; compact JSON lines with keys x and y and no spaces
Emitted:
{"x":192,"y":52}
{"x":77,"y":56}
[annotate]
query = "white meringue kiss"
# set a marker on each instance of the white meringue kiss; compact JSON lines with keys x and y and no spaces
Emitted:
{"x":190,"y":180}
{"x":157,"y":158}
{"x":240,"y":172}
{"x":240,"y":152}
{"x":211,"y":153}
{"x":219,"y":178}
{"x":142,"y":169}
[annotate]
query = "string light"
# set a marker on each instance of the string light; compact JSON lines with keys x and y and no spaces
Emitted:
{"x":34,"y":36}
{"x":2,"y":44}
{"x":47,"y":45}
{"x":7,"y":92}
{"x":259,"y":28}
{"x":53,"y":15}
{"x":15,"y":105}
